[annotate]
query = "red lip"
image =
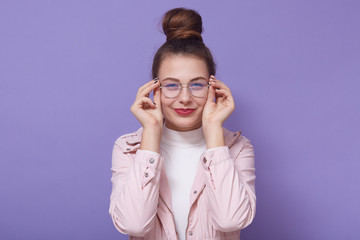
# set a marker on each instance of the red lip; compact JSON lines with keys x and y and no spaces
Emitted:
{"x":184,"y":111}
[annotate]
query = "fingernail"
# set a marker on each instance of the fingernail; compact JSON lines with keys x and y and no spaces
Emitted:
{"x":154,"y":103}
{"x":156,"y":80}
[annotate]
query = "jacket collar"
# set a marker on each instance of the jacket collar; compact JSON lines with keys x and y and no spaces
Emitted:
{"x":133,"y":140}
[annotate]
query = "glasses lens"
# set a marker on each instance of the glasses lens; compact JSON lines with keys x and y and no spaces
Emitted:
{"x":198,"y":88}
{"x":170,"y":88}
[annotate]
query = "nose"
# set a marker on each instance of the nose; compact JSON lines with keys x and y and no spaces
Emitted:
{"x":184,"y":96}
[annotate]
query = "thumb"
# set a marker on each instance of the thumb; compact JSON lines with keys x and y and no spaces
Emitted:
{"x":211,"y":94}
{"x":157,"y":96}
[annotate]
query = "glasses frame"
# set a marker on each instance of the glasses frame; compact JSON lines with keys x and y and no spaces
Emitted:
{"x":181,"y":86}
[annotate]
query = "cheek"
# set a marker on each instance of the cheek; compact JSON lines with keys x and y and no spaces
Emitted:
{"x":202,"y":103}
{"x":165,"y":102}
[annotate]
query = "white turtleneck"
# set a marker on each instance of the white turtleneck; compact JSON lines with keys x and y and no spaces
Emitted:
{"x":181,"y":152}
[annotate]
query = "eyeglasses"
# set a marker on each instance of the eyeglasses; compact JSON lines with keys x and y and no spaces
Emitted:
{"x":172,"y":88}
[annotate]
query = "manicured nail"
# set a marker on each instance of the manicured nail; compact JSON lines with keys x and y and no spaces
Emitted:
{"x":156,"y":80}
{"x":154,"y":103}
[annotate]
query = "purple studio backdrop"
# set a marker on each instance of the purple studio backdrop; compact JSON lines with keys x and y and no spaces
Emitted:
{"x":70,"y":70}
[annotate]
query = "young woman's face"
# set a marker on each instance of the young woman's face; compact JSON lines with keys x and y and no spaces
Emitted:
{"x":184,"y":112}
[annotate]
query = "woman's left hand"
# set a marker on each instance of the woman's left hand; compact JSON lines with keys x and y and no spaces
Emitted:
{"x":216,"y":112}
{"x":218,"y":107}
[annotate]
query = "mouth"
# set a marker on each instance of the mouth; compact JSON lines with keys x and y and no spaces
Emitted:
{"x":184,"y":111}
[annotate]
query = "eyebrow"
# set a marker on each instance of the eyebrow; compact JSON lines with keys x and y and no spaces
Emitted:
{"x":175,"y":79}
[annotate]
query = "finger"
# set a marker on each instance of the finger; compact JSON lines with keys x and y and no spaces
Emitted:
{"x":218,"y":84}
{"x":218,"y":95}
{"x":224,"y":92}
{"x":157,"y":98}
{"x":211,"y":94}
{"x":145,"y":103}
{"x":145,"y":85}
{"x":224,"y":95}
{"x":146,"y":90}
{"x":220,"y":92}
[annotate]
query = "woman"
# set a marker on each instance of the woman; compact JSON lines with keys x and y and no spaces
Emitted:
{"x":182,"y":148}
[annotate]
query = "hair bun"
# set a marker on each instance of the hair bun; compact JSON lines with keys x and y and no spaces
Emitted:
{"x":182,"y":23}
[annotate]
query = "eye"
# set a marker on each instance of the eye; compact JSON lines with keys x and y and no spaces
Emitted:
{"x":197,"y":85}
{"x":171,"y":85}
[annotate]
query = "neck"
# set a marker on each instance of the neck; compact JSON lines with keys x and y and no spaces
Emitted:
{"x":183,"y":138}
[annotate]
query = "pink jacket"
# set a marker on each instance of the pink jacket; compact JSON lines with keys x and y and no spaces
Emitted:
{"x":222,"y":197}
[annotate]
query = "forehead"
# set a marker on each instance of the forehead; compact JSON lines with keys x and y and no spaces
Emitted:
{"x":182,"y":67}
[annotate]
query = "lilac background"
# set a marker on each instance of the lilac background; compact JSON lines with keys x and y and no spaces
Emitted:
{"x":69,"y":71}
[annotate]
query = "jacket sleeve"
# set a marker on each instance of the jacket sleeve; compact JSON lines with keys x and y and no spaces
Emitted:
{"x":135,"y":190}
{"x":230,"y":185}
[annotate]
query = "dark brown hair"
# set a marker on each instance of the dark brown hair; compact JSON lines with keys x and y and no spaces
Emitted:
{"x":183,"y":28}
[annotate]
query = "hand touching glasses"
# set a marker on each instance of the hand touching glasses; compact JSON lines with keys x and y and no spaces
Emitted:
{"x":220,"y":104}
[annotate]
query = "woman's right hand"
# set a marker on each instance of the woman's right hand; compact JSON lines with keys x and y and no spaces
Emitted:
{"x":145,"y":110}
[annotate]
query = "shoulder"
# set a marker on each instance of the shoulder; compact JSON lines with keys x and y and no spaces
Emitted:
{"x":235,"y":140}
{"x":129,"y":141}
{"x":133,"y":136}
